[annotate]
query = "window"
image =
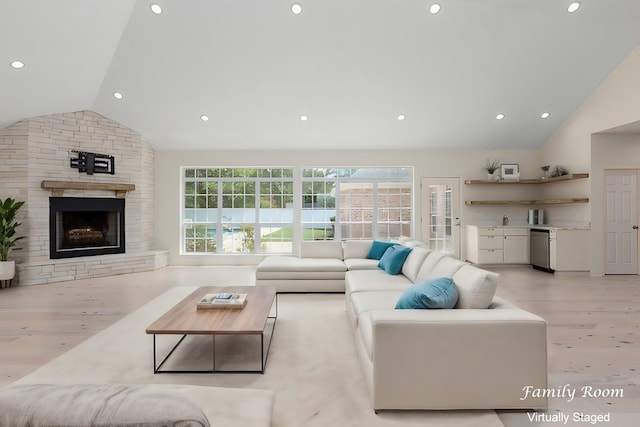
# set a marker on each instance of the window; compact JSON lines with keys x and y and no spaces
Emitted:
{"x":356,"y":203}
{"x":440,"y":237}
{"x":237,"y":210}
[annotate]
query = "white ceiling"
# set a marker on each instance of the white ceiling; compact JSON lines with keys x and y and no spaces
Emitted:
{"x":351,"y":66}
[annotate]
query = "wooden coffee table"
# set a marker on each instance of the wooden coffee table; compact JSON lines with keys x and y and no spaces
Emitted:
{"x":185,"y":319}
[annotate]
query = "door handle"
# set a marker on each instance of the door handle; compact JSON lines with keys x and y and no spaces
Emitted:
{"x":635,"y":227}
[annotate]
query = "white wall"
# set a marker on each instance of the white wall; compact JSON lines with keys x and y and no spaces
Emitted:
{"x":614,"y":103}
{"x":442,"y":163}
{"x":610,"y":151}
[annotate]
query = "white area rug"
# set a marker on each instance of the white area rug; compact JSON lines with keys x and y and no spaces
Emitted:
{"x":312,"y":368}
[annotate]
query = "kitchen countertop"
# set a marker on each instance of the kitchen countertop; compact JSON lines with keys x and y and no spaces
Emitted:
{"x":537,"y":226}
{"x":553,"y":227}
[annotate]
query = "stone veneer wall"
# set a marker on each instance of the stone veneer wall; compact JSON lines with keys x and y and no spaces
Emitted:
{"x":38,"y":149}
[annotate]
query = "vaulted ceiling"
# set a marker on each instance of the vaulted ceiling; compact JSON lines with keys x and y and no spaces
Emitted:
{"x":352,"y":67}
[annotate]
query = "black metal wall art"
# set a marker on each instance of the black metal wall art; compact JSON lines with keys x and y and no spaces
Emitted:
{"x":91,"y":163}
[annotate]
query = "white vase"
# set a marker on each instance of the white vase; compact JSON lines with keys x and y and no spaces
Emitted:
{"x":7,"y":270}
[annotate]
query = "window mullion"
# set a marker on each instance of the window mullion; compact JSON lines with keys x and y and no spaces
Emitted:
{"x":374,"y":214}
{"x":337,"y":233}
{"x":219,"y":230}
{"x":257,"y":224}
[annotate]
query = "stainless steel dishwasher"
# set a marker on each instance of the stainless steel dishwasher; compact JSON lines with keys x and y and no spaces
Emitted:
{"x":539,"y":249}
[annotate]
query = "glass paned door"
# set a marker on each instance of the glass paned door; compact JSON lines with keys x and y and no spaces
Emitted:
{"x":440,"y":219}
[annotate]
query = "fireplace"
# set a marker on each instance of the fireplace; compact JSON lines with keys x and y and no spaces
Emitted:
{"x":85,"y":226}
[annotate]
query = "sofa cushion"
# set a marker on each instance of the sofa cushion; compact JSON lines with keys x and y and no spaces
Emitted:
{"x":394,"y":258}
{"x":476,"y":287}
{"x":410,"y":243}
{"x":356,"y":248}
{"x":361,"y":264}
{"x":325,"y":249}
{"x":367,"y":301}
{"x":286,"y":263}
{"x":292,"y":268}
{"x":446,"y":267}
{"x":96,"y":405}
{"x":430,"y":294}
{"x":403,"y":239}
{"x":429,"y":263}
{"x":378,"y":248}
{"x":374,"y":280}
{"x":414,"y":261}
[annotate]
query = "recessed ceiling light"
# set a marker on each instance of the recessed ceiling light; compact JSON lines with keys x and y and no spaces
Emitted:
{"x":304,"y":118}
{"x":17,"y":64}
{"x":296,"y":8}
{"x":435,"y":8}
{"x":155,"y":8}
{"x":117,"y":95}
{"x":500,"y":116}
{"x":573,"y":7}
{"x":204,"y":118}
{"x":401,"y":117}
{"x":544,"y":115}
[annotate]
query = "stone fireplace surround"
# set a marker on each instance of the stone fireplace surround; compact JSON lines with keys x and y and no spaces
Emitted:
{"x":39,"y":149}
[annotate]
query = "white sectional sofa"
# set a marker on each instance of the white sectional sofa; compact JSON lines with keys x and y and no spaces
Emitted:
{"x":481,"y":354}
{"x":319,"y":267}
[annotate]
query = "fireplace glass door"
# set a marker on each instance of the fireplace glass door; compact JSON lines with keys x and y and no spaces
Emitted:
{"x":85,"y":226}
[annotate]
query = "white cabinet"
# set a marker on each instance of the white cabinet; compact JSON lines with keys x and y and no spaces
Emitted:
{"x":484,"y":245}
{"x":497,"y":245}
{"x":569,"y":250}
{"x":516,"y":245}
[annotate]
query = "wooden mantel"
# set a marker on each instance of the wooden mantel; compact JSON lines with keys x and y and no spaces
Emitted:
{"x":57,"y":187}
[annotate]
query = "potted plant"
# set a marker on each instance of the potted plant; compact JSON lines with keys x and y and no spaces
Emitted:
{"x":8,"y":224}
{"x":491,"y":166}
{"x":545,"y":171}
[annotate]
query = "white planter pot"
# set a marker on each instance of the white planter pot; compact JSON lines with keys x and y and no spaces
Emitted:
{"x":7,"y":270}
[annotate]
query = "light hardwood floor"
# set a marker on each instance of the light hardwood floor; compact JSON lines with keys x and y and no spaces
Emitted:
{"x":593,"y":325}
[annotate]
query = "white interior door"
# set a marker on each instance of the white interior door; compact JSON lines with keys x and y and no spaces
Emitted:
{"x":441,"y":214}
{"x":621,"y":221}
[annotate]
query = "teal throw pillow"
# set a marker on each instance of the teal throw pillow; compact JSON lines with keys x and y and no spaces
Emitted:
{"x":378,"y":249}
{"x":394,"y":258}
{"x":433,"y":293}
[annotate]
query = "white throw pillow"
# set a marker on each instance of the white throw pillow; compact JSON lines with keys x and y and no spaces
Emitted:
{"x":429,"y":263}
{"x":446,"y":267}
{"x":476,"y":287}
{"x":411,"y":243}
{"x":414,"y":261}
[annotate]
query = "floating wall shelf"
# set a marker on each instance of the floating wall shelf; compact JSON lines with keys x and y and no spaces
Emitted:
{"x":530,"y":181}
{"x":527,"y":202}
{"x":524,"y":202}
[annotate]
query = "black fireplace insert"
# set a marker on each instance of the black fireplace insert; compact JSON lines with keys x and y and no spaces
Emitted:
{"x":86,"y":226}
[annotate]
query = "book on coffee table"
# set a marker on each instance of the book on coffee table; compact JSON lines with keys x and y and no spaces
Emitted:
{"x":222,"y":300}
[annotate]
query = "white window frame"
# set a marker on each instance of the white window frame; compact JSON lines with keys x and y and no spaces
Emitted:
{"x":221,"y":221}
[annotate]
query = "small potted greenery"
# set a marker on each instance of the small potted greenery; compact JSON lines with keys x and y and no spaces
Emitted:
{"x":491,"y":166}
{"x":8,"y":224}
